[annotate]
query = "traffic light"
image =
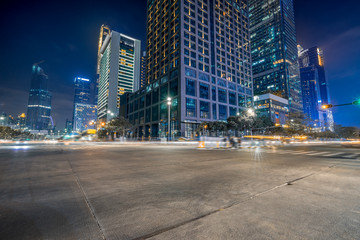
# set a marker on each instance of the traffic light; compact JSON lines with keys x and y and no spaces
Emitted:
{"x":327,"y":106}
{"x":357,"y":102}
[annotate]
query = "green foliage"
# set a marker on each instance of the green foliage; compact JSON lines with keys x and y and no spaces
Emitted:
{"x":9,"y":133}
{"x":119,"y":126}
{"x":347,"y":132}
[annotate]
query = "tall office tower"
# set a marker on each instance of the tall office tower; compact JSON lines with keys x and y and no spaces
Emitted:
{"x":274,"y":50}
{"x":104,"y":32}
{"x":82,"y":90}
{"x":84,"y":115}
{"x":39,"y":105}
{"x":119,"y":72}
{"x":314,"y":87}
{"x":143,"y":70}
{"x":198,"y":54}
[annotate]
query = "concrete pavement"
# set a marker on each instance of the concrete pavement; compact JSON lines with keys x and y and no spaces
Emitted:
{"x":91,"y":191}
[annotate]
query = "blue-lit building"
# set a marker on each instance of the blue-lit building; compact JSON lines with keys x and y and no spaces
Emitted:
{"x":274,"y":50}
{"x":39,"y":105}
{"x":198,"y":54}
{"x":314,"y":88}
{"x":84,"y":115}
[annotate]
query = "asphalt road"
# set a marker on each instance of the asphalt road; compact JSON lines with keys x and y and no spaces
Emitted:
{"x":91,"y":191}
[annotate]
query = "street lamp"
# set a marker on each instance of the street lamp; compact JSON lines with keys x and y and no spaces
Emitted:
{"x":169,"y":105}
{"x":251,"y":112}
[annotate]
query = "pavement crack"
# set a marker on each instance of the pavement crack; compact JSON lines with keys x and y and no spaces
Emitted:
{"x":87,"y":201}
{"x":166,"y":229}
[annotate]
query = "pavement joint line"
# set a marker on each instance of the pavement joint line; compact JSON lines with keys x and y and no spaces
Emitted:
{"x":169,"y":228}
{"x":86,"y":199}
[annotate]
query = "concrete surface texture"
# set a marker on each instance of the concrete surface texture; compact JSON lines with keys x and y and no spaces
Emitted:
{"x":91,"y":191}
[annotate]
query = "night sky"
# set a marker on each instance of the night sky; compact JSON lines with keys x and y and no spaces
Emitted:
{"x":65,"y":35}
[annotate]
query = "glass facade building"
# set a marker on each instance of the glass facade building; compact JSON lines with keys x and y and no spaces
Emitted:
{"x":198,"y":54}
{"x":274,"y":50}
{"x":39,"y":105}
{"x":314,"y":87}
{"x":119,"y":72}
{"x":84,"y":115}
{"x":272,"y":106}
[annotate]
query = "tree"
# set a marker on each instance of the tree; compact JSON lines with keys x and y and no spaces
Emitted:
{"x":296,"y":124}
{"x":117,"y":126}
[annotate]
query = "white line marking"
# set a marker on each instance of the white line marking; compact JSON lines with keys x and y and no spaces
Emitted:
{"x":303,"y":153}
{"x":318,"y":153}
{"x":333,"y":154}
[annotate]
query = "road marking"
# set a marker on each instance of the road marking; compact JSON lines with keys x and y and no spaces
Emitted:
{"x":318,"y":153}
{"x":303,"y":153}
{"x":333,"y":154}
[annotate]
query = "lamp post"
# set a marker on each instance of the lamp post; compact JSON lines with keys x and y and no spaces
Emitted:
{"x":251,"y":113}
{"x":169,"y":105}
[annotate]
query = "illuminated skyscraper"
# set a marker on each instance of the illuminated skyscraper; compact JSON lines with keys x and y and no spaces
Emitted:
{"x":39,"y":106}
{"x":119,"y":72}
{"x":84,"y":112}
{"x":104,"y":32}
{"x":143,"y":70}
{"x":314,"y":87}
{"x":198,"y":54}
{"x":82,"y":90}
{"x":274,"y":50}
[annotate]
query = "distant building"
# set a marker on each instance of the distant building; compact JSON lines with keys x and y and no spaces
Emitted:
{"x":314,"y":88}
{"x":143,"y":70}
{"x":273,"y":106}
{"x":82,"y":90}
{"x":21,"y":121}
{"x":4,"y":120}
{"x":274,"y":50}
{"x":197,"y":54}
{"x":84,"y":115}
{"x":68,"y":126}
{"x":39,"y":105}
{"x":119,"y":72}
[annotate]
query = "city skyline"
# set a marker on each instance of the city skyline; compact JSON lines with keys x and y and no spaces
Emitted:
{"x":68,"y":54}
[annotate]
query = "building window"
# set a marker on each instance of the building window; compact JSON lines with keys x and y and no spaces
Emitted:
{"x":204,"y":109}
{"x":190,"y":72}
{"x":241,"y":100}
{"x":147,"y":115}
{"x":173,"y":88}
{"x":222,"y":96}
{"x":155,"y":113}
{"x":213,"y":93}
{"x":190,"y":87}
{"x":204,"y":90}
{"x":222,"y":112}
{"x":214,"y":114}
{"x":155,"y":96}
{"x":148,"y":99}
{"x":164,"y":92}
{"x":232,"y":111}
{"x":204,"y":77}
{"x":232,"y":98}
{"x":190,"y":107}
